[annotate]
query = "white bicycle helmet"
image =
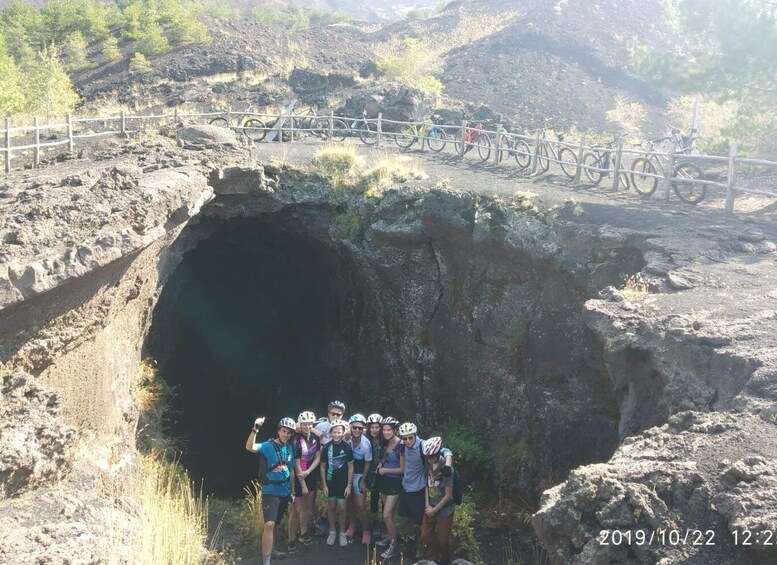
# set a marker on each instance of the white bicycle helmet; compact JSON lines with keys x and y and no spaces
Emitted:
{"x":288,"y":423}
{"x":407,"y":429}
{"x":336,"y":404}
{"x":342,"y":423}
{"x":357,"y":418}
{"x":389,"y":421}
{"x":374,"y":419}
{"x":306,"y":417}
{"x":431,"y":446}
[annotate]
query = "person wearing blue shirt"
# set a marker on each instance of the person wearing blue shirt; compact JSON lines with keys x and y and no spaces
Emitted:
{"x":276,"y":479}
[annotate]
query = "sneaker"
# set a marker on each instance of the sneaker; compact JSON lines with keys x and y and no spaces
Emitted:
{"x":292,"y":547}
{"x":366,"y":538}
{"x":305,"y":539}
{"x":385,"y":541}
{"x":343,"y":540}
{"x":330,"y":540}
{"x":322,"y":526}
{"x":351,"y":530}
{"x":392,"y":551}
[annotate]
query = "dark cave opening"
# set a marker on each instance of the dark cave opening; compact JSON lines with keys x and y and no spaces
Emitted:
{"x":242,"y":328}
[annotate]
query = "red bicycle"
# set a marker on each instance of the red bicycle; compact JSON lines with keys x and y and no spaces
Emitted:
{"x":473,"y":137}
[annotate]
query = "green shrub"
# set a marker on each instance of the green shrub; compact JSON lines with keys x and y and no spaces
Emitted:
{"x":469,"y":453}
{"x":48,"y":86}
{"x":349,"y":224}
{"x":152,"y":41}
{"x":464,"y":532}
{"x":295,"y":16}
{"x":139,"y":63}
{"x":413,"y":63}
{"x":111,"y":50}
{"x":75,"y":51}
{"x":12,"y":97}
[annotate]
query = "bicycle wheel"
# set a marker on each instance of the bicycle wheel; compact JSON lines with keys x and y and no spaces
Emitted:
{"x":368,"y":132}
{"x":543,"y":158}
{"x":255,"y":130}
{"x":568,"y":162}
{"x":219,"y":122}
{"x":436,"y":139}
{"x":690,"y":193}
{"x":624,"y":180}
{"x":642,"y":183}
{"x":522,"y":154}
{"x":484,"y":146}
{"x":406,"y":137}
{"x":592,"y":160}
{"x":337,"y":131}
{"x":458,"y":136}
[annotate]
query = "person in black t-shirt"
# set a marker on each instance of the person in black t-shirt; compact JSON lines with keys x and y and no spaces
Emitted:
{"x":337,"y":475}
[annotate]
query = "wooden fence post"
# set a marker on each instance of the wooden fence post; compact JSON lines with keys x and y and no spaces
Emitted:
{"x":380,"y":128}
{"x":580,"y":151}
{"x":732,"y":177}
{"x":7,"y":145}
{"x":498,"y":156}
{"x":36,"y":151}
{"x":123,"y":123}
{"x":422,"y":135}
{"x":280,"y":127}
{"x":229,"y":116}
{"x":70,"y":140}
{"x":175,"y":116}
{"x":331,"y":124}
{"x":535,"y":152}
{"x":291,"y":127}
{"x":669,"y":172}
{"x":617,"y":166}
{"x":463,"y":140}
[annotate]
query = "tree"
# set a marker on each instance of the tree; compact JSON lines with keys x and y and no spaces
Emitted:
{"x":12,"y":97}
{"x":48,"y":87}
{"x":75,"y":50}
{"x":22,"y":26}
{"x":139,"y":63}
{"x":152,"y":40}
{"x":111,"y":50}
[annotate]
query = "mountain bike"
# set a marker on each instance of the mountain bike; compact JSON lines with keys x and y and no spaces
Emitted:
{"x":681,"y":179}
{"x":319,"y":126}
{"x":518,"y":148}
{"x":253,"y":128}
{"x":564,"y":156}
{"x":367,"y":130}
{"x":434,"y":135}
{"x":601,"y":157}
{"x":473,"y":137}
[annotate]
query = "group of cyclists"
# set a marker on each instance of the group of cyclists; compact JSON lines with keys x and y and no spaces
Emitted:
{"x":348,"y":459}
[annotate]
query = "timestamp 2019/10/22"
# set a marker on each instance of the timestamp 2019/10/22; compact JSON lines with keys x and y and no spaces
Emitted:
{"x":754,"y":537}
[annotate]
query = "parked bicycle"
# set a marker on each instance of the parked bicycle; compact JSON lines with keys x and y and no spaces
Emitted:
{"x":365,"y":129}
{"x":322,"y":127}
{"x":473,"y":137}
{"x":514,"y":146}
{"x":428,"y":130}
{"x":647,"y":169}
{"x":599,"y":162}
{"x":550,"y":150}
{"x":253,"y":128}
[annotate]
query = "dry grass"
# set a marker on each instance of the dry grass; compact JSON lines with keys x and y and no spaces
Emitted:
{"x":635,"y":287}
{"x":345,"y":169}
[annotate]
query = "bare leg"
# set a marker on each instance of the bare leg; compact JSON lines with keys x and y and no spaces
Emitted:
{"x":330,"y":514}
{"x":343,"y":515}
{"x":361,"y":511}
{"x":388,"y":515}
{"x":267,"y":536}
{"x":444,"y":529}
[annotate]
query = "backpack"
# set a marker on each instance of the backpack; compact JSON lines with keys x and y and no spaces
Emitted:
{"x":265,"y":468}
{"x":457,"y":490}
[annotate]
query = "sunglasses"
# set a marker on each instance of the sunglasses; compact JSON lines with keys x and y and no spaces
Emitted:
{"x":336,"y":414}
{"x":357,"y":428}
{"x":411,"y":438}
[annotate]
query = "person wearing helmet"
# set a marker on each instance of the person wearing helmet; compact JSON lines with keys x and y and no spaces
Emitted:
{"x":362,"y":459}
{"x":276,"y":479}
{"x":335,"y":411}
{"x":337,"y":476}
{"x":390,"y":469}
{"x":439,"y":504}
{"x":307,"y":449}
{"x":374,"y":435}
{"x":412,"y":500}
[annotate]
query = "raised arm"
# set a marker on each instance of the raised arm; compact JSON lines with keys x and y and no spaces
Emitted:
{"x":251,"y":440}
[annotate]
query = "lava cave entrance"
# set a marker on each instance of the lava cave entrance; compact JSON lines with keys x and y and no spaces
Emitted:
{"x":243,"y":327}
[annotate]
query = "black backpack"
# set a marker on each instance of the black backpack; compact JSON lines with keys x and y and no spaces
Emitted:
{"x":265,"y":468}
{"x":457,"y":490}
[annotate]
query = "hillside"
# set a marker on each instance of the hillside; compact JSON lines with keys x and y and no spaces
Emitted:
{"x":531,"y":63}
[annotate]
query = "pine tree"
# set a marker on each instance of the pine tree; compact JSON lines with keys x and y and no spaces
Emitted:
{"x":48,"y":87}
{"x":111,"y":49}
{"x":75,"y":51}
{"x":139,"y":63}
{"x":12,"y":97}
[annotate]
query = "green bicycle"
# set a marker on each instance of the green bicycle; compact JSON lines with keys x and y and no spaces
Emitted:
{"x":433,"y":134}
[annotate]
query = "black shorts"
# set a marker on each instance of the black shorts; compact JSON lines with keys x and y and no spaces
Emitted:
{"x":311,"y":480}
{"x":337,"y":486}
{"x":274,"y":507}
{"x":411,"y":505}
{"x":389,"y":485}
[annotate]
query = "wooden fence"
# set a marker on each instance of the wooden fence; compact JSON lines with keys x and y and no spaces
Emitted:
{"x":533,"y":153}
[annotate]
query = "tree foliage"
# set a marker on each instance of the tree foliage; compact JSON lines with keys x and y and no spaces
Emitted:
{"x":48,"y":86}
{"x":12,"y":99}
